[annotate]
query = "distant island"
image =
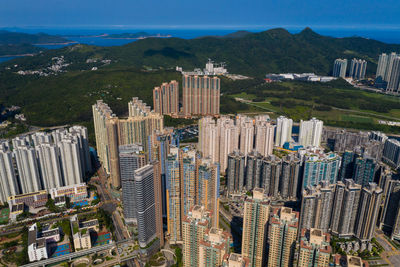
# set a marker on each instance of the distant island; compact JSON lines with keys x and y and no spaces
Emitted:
{"x":17,"y":43}
{"x":137,"y":35}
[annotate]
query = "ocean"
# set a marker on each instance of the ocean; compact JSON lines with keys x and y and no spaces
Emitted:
{"x":93,"y":36}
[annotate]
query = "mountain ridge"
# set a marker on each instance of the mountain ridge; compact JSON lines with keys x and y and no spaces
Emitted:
{"x":254,"y":54}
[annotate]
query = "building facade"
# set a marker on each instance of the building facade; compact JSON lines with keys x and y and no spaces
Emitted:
{"x":201,"y":95}
{"x":358,"y":68}
{"x":166,"y":98}
{"x":235,"y":172}
{"x":340,"y":68}
{"x":283,"y":131}
{"x":310,"y":132}
{"x":282,"y":234}
{"x":256,"y":214}
{"x":314,"y":248}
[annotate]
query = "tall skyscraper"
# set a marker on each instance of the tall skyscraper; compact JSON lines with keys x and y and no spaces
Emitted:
{"x":316,"y":206}
{"x":189,"y":161}
{"x":8,"y":178}
{"x":209,"y":138}
{"x":382,"y":66}
{"x":340,"y":68}
{"x":28,"y":169}
{"x":390,"y":212}
{"x":264,"y":142}
{"x":166,"y":98}
{"x":214,"y":247}
{"x":389,"y":66}
{"x":39,"y":138}
{"x":101,"y":114}
{"x":246,"y":135}
{"x":283,"y":131}
{"x":253,"y":170}
{"x":160,"y":142}
{"x":347,"y":166}
{"x":112,"y":132}
{"x":256,"y":214}
{"x":367,"y":214}
{"x":158,"y":200}
{"x":310,"y":132}
{"x":314,"y":248}
{"x":194,"y":228}
{"x":271,"y":173}
{"x":282,"y":234}
{"x":145,"y":205}
{"x":174,"y":196}
{"x":46,"y":160}
{"x":391,"y":153}
{"x":319,"y":166}
{"x":345,"y":205}
{"x":235,"y":172}
{"x":131,"y":158}
{"x":229,"y":140}
{"x":83,"y":139}
{"x":289,"y":182}
{"x":50,"y":165}
{"x":358,"y":68}
{"x":364,"y":170}
{"x":208,"y":188}
{"x":394,"y":80}
{"x":71,"y":160}
{"x":201,"y":95}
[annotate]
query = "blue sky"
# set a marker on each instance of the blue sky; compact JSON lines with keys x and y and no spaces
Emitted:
{"x":203,"y":13}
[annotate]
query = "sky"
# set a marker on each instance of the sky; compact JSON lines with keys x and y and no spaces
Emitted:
{"x":200,"y":14}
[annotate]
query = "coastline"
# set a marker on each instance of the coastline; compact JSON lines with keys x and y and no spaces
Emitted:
{"x":65,"y":43}
{"x":20,"y":55}
{"x":137,"y":38}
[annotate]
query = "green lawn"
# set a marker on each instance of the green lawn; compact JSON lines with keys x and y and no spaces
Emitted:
{"x":355,"y":118}
{"x":336,"y":103}
{"x":4,"y":213}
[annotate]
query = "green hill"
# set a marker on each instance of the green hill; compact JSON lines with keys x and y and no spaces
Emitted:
{"x":7,"y":37}
{"x":17,"y":43}
{"x":134,"y":69}
{"x":253,"y":54}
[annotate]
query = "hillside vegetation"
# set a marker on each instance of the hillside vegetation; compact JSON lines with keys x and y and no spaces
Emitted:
{"x":251,"y":54}
{"x":17,"y":43}
{"x":134,"y":70}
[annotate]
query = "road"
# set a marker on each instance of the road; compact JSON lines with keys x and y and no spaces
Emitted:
{"x":110,"y":204}
{"x":391,"y":255}
{"x":81,"y":253}
{"x":70,"y":256}
{"x":18,"y":228}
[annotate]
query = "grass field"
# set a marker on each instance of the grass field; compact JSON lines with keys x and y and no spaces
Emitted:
{"x":337,"y":104}
{"x":356,"y":118}
{"x":4,"y":213}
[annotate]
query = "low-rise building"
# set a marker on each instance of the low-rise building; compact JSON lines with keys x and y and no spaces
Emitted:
{"x":81,"y":232}
{"x":32,"y":200}
{"x":348,"y":261}
{"x":75,"y":192}
{"x":37,"y":249}
{"x":38,"y":241}
{"x":16,"y":210}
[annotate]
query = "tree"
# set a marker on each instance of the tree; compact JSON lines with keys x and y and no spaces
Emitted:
{"x":67,"y":202}
{"x":52,"y":206}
